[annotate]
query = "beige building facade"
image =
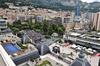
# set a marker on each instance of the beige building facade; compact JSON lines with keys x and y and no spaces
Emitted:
{"x":96,"y":21}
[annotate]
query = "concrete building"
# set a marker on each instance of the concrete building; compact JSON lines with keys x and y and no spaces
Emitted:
{"x":56,"y":20}
{"x":81,"y":60}
{"x":3,"y":26}
{"x":96,"y":21}
{"x":43,"y":47}
{"x":77,"y":19}
{"x":39,"y":18}
{"x":90,"y":16}
{"x":23,"y":17}
{"x":67,"y":20}
{"x":5,"y":60}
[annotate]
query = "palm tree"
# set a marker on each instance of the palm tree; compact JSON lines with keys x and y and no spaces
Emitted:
{"x":87,"y":55}
{"x":76,"y":52}
{"x":84,"y":49}
{"x":90,"y":58}
{"x":71,"y":54}
{"x":36,"y":60}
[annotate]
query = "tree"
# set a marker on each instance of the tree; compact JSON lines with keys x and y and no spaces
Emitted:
{"x":15,"y":30}
{"x":55,"y":27}
{"x":71,"y":54}
{"x":87,"y":55}
{"x":60,"y":31}
{"x":76,"y":52}
{"x":19,"y":34}
{"x":32,"y":60}
{"x":45,"y":26}
{"x":50,"y":30}
{"x":3,"y":6}
{"x":47,"y":36}
{"x":17,"y":22}
{"x":9,"y":25}
{"x":37,"y":26}
{"x":30,"y":26}
{"x":39,"y":59}
{"x":36,"y":60}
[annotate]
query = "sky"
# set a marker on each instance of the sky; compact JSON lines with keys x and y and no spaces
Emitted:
{"x":89,"y":1}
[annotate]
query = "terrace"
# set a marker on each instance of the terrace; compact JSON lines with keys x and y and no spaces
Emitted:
{"x":11,"y":48}
{"x":14,"y":49}
{"x":69,"y":54}
{"x":9,"y":37}
{"x":2,"y":63}
{"x":5,"y":60}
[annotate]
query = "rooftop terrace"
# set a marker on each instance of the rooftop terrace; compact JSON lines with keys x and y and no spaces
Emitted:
{"x":2,"y":63}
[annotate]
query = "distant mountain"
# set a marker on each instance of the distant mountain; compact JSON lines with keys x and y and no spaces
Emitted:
{"x":95,"y":4}
{"x":61,"y":4}
{"x":68,"y":4}
{"x":20,"y":3}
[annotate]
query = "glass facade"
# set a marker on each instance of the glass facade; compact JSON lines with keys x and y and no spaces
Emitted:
{"x":78,"y":11}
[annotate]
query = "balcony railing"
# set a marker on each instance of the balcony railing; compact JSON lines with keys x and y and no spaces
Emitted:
{"x":3,"y":31}
{"x":2,"y":23}
{"x":3,"y":27}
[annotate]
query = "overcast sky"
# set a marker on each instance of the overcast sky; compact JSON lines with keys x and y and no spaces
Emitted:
{"x":90,"y":0}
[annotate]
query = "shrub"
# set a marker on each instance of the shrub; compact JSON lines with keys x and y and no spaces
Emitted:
{"x":72,"y":30}
{"x":9,"y":36}
{"x":1,"y":41}
{"x":39,"y":59}
{"x":19,"y":54}
{"x":59,"y":41}
{"x":36,"y":60}
{"x":27,"y":41}
{"x":37,"y":30}
{"x":13,"y":40}
{"x":47,"y":36}
{"x":44,"y":63}
{"x":6,"y":40}
{"x":21,"y":46}
{"x":32,"y":60}
{"x":26,"y":45}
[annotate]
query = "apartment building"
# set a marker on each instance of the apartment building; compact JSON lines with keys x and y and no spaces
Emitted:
{"x":96,"y":21}
{"x":3,"y":26}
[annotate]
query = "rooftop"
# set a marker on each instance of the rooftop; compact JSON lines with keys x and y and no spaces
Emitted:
{"x":2,"y":63}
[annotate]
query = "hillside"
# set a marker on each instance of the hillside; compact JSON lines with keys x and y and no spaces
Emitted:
{"x":20,"y":3}
{"x":68,"y":5}
{"x":61,"y":4}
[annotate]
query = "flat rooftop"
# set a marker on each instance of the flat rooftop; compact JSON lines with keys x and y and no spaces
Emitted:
{"x":2,"y":63}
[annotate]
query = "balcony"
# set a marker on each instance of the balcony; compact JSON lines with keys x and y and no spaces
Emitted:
{"x":3,"y":23}
{"x":3,"y":31}
{"x":3,"y":27}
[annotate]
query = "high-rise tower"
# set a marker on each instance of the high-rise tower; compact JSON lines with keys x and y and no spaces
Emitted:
{"x":77,"y":11}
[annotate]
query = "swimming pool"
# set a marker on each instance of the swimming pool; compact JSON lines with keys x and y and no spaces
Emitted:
{"x":11,"y":48}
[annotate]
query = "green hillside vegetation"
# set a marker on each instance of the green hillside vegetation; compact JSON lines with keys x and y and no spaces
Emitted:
{"x":42,"y":28}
